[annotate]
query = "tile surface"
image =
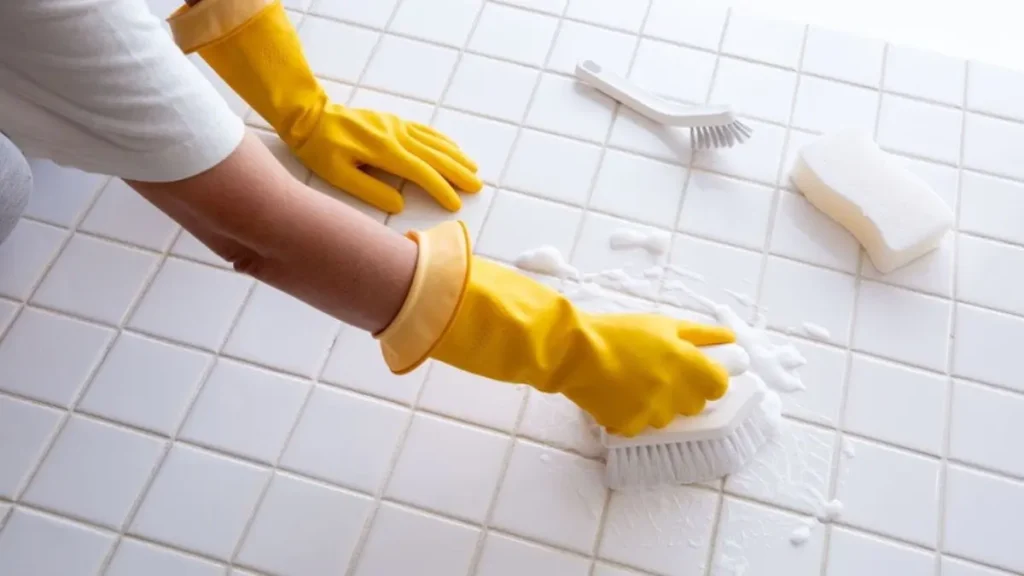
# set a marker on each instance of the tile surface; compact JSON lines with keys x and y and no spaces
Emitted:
{"x":165,"y":415}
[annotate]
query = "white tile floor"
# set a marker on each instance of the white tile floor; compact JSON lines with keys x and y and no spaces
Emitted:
{"x":162,"y":415}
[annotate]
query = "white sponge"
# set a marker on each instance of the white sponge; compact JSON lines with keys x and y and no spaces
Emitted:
{"x":894,"y":214}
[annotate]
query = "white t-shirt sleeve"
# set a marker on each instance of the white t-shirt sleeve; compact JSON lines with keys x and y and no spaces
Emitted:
{"x":100,"y":85}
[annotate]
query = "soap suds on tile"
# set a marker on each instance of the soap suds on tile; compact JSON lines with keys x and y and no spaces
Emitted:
{"x":830,"y":511}
{"x":546,"y":260}
{"x":654,"y":243}
{"x":741,"y":298}
{"x":685,"y":273}
{"x":848,"y":449}
{"x":815,"y":331}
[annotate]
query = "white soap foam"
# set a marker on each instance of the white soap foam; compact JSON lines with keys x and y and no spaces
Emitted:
{"x":800,"y":535}
{"x":741,"y":298}
{"x":816,"y":331}
{"x":830,"y":510}
{"x":654,"y":272}
{"x":685,"y":273}
{"x":848,"y":449}
{"x":546,"y":260}
{"x":654,"y":243}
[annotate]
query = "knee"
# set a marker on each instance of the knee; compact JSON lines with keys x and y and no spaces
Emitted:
{"x":15,"y":186}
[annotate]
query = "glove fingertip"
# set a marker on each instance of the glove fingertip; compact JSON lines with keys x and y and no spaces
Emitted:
{"x":706,"y":335}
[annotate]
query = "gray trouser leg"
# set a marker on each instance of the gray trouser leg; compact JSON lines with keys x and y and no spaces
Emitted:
{"x":15,"y":185}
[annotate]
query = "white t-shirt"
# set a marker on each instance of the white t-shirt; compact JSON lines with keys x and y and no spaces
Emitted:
{"x":100,"y":85}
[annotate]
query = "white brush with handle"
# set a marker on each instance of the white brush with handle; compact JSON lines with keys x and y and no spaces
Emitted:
{"x":710,"y":126}
{"x":719,"y":441}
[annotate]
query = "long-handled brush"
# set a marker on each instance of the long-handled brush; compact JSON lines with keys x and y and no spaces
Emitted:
{"x":719,"y":441}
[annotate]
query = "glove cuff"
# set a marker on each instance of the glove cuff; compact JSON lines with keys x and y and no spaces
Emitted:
{"x":438,"y":287}
{"x":196,"y":26}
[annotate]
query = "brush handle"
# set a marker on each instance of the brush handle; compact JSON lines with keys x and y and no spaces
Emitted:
{"x":647,"y":104}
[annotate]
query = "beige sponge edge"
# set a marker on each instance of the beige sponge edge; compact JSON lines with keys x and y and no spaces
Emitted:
{"x":893,"y":213}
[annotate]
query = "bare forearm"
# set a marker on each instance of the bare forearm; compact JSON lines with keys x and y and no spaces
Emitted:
{"x":278,"y":230}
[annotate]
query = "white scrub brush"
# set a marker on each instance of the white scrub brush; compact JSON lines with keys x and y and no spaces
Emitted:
{"x":710,"y":126}
{"x":719,"y":441}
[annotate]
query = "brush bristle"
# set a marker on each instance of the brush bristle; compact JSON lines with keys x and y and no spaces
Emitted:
{"x":725,"y":136}
{"x":691,"y":462}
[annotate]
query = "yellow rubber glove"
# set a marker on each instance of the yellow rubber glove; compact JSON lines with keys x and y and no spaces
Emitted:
{"x":253,"y":46}
{"x":628,"y":371}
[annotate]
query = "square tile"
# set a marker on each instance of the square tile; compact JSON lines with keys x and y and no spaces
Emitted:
{"x":988,"y":145}
{"x":756,"y":540}
{"x":666,"y":530}
{"x":710,"y":209}
{"x":82,"y":549}
{"x":882,"y":395}
{"x":491,"y":87}
{"x":554,"y":420}
{"x":422,"y":211}
{"x":634,"y":133}
{"x":60,"y":194}
{"x":890,"y":492}
{"x":7,"y":311}
{"x":96,"y":279}
{"x":487,"y":142}
{"x":577,"y":41}
{"x":925,"y":74}
{"x":984,"y":346}
{"x":506,"y":556}
{"x":919,"y":128}
{"x":338,"y":429}
{"x":443,"y":21}
{"x":431,"y":473}
{"x":673,"y":71}
{"x":804,"y":233}
{"x":943,"y":179}
{"x":551,"y":496}
{"x":122,"y":214}
{"x":757,"y":159}
{"x":246,"y":411}
{"x":323,"y":40}
{"x":953,"y":567}
{"x":409,"y":67}
{"x":568,"y":107}
{"x":356,"y":363}
{"x":280,"y":331}
{"x":24,"y":256}
{"x":689,"y":22}
{"x":995,"y":90}
{"x":191,"y":303}
{"x":419,"y":536}
{"x":981,"y":421}
{"x":763,"y":39}
{"x":824,"y":375}
{"x":843,"y":56}
{"x":187,"y":246}
{"x":991,"y":206}
{"x":513,"y":34}
{"x":464,"y":396}
{"x":405,"y":108}
{"x":722,"y":270}
{"x":852,"y":554}
{"x":48,"y":357}
{"x":990,"y":274}
{"x":793,"y":293}
{"x":793,"y":471}
{"x":628,"y":16}
{"x":828,"y":106}
{"x":980,"y":513}
{"x":601,"y":569}
{"x":903,"y":325}
{"x":25,"y":432}
{"x":771,"y":101}
{"x":304,"y":529}
{"x":519,"y":223}
{"x":137,"y":557}
{"x":931,"y":273}
{"x":200,"y":501}
{"x":638,"y":188}
{"x":109,"y":467}
{"x":553,"y":167}
{"x":372,"y":14}
{"x":145,"y":383}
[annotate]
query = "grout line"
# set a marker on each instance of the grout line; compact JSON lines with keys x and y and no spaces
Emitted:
{"x":940,"y":541}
